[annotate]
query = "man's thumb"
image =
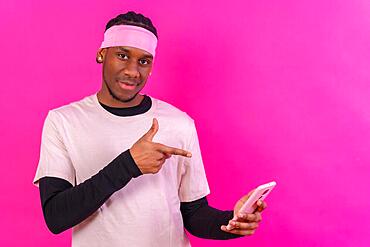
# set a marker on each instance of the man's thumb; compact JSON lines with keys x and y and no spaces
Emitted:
{"x":152,"y":131}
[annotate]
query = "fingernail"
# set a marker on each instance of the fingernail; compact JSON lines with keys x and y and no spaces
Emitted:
{"x":259,"y":203}
{"x":188,"y":155}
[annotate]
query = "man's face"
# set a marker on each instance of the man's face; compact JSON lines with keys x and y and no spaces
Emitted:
{"x":125,"y":71}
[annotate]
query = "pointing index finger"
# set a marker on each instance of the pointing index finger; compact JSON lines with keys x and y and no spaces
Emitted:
{"x":171,"y":150}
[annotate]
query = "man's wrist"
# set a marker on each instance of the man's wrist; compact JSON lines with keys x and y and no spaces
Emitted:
{"x":130,"y":164}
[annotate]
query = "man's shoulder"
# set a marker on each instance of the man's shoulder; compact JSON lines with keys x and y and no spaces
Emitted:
{"x":167,"y":109}
{"x":172,"y":118}
{"x":76,"y":107}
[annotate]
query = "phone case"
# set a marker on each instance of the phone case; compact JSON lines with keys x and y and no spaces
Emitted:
{"x":260,"y":192}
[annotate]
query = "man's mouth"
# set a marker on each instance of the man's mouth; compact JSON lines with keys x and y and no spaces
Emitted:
{"x":127,"y":85}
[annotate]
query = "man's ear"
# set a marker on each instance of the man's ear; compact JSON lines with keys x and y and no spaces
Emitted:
{"x":100,"y":55}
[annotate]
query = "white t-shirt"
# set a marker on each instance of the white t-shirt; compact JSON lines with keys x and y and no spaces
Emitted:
{"x":81,"y":138}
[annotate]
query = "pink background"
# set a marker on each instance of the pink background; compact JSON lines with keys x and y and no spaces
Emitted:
{"x":279,"y":91}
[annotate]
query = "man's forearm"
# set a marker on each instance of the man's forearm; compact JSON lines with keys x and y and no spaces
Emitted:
{"x":64,"y":206}
{"x":203,"y":221}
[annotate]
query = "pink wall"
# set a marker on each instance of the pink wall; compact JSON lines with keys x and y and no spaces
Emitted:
{"x":279,"y":90}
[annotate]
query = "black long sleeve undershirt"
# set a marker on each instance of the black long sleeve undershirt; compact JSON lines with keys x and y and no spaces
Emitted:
{"x":204,"y":221}
{"x":65,"y":205}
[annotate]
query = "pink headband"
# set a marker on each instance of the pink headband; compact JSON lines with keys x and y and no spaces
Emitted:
{"x":128,"y":35}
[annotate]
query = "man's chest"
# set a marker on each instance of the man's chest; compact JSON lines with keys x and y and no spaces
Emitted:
{"x":91,"y":146}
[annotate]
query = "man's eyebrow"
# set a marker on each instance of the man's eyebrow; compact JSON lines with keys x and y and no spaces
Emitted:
{"x":123,"y":49}
{"x":148,"y":56}
{"x":128,"y":51}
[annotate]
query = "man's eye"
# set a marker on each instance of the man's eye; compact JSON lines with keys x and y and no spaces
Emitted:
{"x":144,"y":61}
{"x":123,"y":56}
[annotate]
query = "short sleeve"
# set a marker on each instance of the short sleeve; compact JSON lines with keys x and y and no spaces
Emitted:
{"x":194,"y":184}
{"x":54,"y":158}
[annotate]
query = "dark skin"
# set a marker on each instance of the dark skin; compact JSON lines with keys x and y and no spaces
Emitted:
{"x":125,"y":73}
{"x":120,"y":65}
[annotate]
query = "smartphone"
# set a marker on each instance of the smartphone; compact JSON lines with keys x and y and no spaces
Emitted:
{"x":260,"y":193}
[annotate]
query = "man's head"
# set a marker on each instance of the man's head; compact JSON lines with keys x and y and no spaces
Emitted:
{"x":126,"y":68}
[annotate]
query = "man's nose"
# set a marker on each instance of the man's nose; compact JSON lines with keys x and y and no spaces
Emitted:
{"x":131,"y":70}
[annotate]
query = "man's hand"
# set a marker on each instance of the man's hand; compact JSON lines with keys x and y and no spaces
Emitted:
{"x":245,"y":224}
{"x":150,"y":156}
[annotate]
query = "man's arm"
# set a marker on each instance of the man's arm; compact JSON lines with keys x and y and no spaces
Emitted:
{"x":203,"y":221}
{"x":65,"y":206}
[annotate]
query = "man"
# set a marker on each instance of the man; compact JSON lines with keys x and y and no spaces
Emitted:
{"x":125,"y":169}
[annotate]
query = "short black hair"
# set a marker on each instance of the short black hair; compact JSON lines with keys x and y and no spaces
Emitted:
{"x":134,"y":19}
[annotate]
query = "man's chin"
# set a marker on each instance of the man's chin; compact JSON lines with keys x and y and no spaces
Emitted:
{"x":127,"y":100}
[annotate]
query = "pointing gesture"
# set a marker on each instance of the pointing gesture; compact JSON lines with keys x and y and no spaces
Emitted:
{"x":150,"y":156}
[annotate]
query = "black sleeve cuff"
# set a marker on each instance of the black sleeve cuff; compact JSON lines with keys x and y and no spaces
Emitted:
{"x":129,"y":163}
